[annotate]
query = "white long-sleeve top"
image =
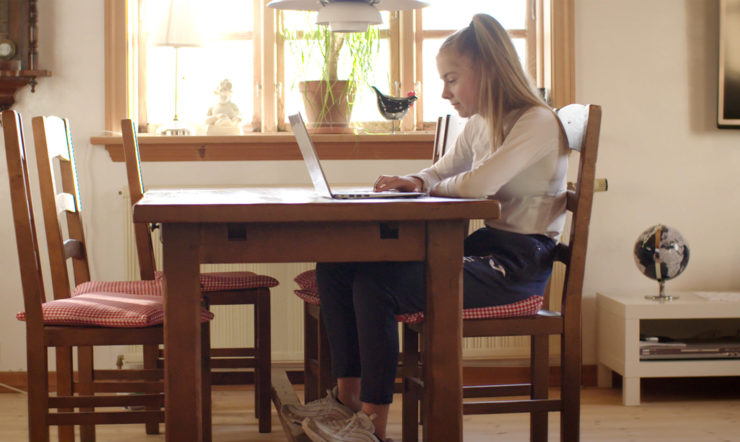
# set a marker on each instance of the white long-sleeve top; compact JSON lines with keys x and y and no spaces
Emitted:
{"x":526,"y":174}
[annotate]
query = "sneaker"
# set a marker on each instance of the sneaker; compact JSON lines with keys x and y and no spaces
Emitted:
{"x":358,"y":428}
{"x":327,"y":407}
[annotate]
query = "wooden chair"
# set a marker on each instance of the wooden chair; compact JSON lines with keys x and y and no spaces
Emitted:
{"x":582,"y":125}
{"x":229,"y":288}
{"x":317,"y":377}
{"x":88,"y":320}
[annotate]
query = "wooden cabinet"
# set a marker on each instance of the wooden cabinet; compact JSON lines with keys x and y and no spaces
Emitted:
{"x":621,"y":320}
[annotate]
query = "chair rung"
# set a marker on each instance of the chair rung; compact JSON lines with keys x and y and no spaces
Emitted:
{"x":124,"y":387}
{"x":235,"y":297}
{"x":233,"y":363}
{"x":106,"y":401}
{"x":542,"y":325}
{"x":64,"y":336}
{"x":129,"y":375}
{"x":103,"y":418}
{"x":523,"y":406}
{"x":497,"y":390}
{"x":227,"y":352}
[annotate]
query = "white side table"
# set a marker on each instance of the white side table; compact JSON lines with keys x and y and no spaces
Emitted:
{"x":618,"y":329}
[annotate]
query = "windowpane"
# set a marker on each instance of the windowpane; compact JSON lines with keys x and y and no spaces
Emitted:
{"x":200,"y":72}
{"x":227,"y":53}
{"x":226,"y":16}
{"x":510,"y":13}
{"x":439,"y":15}
{"x":231,"y":27}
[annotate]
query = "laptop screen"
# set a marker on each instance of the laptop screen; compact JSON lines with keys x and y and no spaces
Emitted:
{"x":309,"y":155}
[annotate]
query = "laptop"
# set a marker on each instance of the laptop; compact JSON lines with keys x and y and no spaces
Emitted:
{"x":317,"y":173}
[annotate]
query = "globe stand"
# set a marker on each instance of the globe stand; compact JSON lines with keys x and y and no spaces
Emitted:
{"x":662,"y":297}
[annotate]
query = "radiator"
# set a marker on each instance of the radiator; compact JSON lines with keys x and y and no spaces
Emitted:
{"x":233,"y":325}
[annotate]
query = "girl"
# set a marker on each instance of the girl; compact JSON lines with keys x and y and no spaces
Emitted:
{"x":512,"y":149}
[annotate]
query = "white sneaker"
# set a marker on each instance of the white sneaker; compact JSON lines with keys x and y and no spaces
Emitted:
{"x":358,"y":428}
{"x":327,"y":407}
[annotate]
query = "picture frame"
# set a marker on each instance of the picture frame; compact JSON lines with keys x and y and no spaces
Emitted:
{"x":728,"y":99}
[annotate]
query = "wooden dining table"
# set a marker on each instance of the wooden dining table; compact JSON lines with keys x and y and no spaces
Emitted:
{"x":263,"y":225}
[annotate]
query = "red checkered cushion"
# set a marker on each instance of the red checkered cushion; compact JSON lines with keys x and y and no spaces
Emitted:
{"x":117,"y":310}
{"x":217,"y":281}
{"x":309,"y":296}
{"x":306,"y":280}
{"x":150,"y":287}
{"x":525,"y":307}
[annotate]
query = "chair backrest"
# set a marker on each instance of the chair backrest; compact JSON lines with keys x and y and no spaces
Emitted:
{"x":445,"y":136}
{"x":582,"y":124}
{"x":440,"y":137}
{"x":142,"y":233}
{"x":23,"y":220}
{"x":60,"y":194}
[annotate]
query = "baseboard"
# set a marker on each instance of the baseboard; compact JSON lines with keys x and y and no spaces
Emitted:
{"x":476,"y":375}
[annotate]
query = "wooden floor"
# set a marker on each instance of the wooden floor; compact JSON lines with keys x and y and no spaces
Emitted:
{"x":701,"y":410}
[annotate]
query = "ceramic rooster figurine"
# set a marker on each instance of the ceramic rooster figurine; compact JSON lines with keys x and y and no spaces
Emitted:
{"x":393,"y":108}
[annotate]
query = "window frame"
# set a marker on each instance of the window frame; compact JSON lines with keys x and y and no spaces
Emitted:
{"x":553,"y":40}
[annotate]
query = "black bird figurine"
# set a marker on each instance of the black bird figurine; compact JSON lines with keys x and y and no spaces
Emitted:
{"x":393,"y":108}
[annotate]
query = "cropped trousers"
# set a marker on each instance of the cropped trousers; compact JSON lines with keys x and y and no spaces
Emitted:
{"x":359,"y":300}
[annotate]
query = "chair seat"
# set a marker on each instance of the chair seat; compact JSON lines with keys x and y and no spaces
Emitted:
{"x":307,"y":280}
{"x":118,"y":310}
{"x":220,"y":281}
{"x":526,"y":307}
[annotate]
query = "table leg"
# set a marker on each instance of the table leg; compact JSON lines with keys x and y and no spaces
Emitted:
{"x":182,"y":340}
{"x":442,"y":405}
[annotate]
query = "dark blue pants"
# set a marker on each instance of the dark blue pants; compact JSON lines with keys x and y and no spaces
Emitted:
{"x":359,"y":301}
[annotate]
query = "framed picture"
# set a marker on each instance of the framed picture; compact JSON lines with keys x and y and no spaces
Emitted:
{"x":728,"y":109}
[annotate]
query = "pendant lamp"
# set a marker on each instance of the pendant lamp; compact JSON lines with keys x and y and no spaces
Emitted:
{"x":348,"y":15}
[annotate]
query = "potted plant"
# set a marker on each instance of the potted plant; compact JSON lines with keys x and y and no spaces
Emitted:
{"x":328,"y":99}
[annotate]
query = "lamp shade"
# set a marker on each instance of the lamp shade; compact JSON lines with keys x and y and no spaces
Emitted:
{"x":315,"y":5}
{"x":180,"y":25}
{"x":348,"y":16}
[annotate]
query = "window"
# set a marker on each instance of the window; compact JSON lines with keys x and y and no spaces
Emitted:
{"x":228,"y":53}
{"x":247,"y":48}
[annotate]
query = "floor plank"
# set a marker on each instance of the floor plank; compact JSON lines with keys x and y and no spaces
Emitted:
{"x":674,"y":411}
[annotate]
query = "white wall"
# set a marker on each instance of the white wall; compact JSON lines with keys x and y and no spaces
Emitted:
{"x":651,"y":65}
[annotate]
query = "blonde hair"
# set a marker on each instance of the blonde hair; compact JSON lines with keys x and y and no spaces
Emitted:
{"x":504,"y":86}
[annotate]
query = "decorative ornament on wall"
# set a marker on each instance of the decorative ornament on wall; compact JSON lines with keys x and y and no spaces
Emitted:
{"x":18,"y":49}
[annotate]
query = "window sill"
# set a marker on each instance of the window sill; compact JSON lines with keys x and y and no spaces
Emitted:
{"x":273,"y":147}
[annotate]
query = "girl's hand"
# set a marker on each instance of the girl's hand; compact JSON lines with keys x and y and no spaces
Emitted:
{"x":400,"y":183}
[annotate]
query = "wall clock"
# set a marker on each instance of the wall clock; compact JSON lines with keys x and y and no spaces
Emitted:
{"x":18,"y":49}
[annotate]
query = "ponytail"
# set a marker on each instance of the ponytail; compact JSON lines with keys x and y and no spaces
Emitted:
{"x":504,"y":86}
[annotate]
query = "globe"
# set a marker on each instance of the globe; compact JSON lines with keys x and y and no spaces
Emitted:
{"x":661,"y":253}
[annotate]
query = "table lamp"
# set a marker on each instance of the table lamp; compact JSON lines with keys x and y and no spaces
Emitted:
{"x":348,"y":15}
{"x":179,"y":27}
